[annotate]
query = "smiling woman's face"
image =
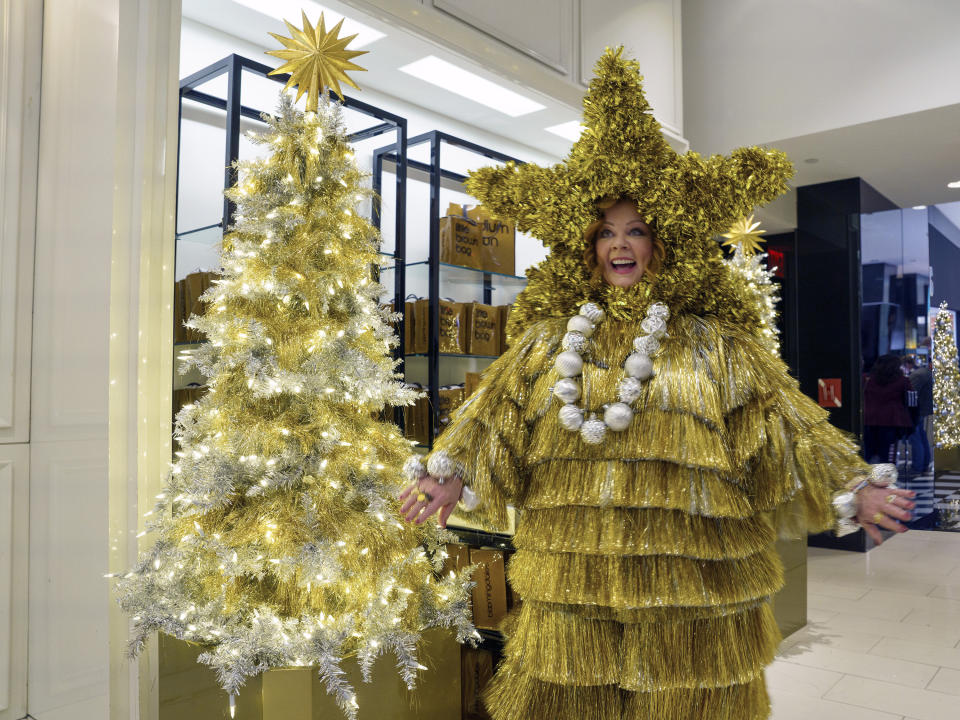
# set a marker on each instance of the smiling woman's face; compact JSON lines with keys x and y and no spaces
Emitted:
{"x":624,"y":244}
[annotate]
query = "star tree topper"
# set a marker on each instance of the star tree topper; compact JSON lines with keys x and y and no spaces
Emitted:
{"x":317,"y":60}
{"x":745,"y":234}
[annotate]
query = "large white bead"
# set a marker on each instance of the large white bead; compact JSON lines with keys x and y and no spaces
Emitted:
{"x":659,"y":310}
{"x":638,"y":366}
{"x":654,"y":325}
{"x":574,"y":341}
{"x":592,"y":311}
{"x":567,"y":389}
{"x":571,"y":417}
{"x":441,"y":465}
{"x":580,"y":324}
{"x":618,"y":416}
{"x":646,"y":345}
{"x":593,"y":431}
{"x":630,"y":389}
{"x":569,"y":364}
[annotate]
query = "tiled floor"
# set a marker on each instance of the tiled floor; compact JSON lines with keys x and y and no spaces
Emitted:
{"x":883,"y":639}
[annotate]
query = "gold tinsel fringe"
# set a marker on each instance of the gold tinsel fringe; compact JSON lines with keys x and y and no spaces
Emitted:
{"x":726,"y":650}
{"x":628,"y":616}
{"x":643,"y":581}
{"x":633,"y":531}
{"x":515,"y":695}
{"x":615,"y":483}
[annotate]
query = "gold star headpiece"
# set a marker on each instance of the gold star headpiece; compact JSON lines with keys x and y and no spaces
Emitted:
{"x":686,"y":199}
{"x":745,"y":234}
{"x":316,"y":59}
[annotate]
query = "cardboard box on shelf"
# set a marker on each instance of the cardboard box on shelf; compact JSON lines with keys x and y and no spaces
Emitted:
{"x":483,"y":329}
{"x":409,"y":326}
{"x":504,"y":318}
{"x":449,"y":398}
{"x":460,"y":241}
{"x":476,"y":668}
{"x":453,"y":327}
{"x":497,"y":241}
{"x":490,"y":593}
{"x":472,"y":382}
{"x":458,"y":557}
{"x":421,"y":325}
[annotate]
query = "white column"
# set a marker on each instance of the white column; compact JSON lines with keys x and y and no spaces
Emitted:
{"x":20,"y":48}
{"x":105,"y":199}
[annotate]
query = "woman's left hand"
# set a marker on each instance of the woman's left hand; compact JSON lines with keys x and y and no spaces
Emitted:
{"x":884,"y":506}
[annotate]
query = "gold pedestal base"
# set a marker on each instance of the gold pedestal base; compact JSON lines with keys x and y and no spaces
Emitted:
{"x":189,"y":691}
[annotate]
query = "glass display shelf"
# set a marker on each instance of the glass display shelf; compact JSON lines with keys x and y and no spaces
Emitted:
{"x":450,"y":271}
{"x":455,"y":355}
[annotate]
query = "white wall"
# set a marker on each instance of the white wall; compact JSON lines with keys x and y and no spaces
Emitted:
{"x":757,"y":72}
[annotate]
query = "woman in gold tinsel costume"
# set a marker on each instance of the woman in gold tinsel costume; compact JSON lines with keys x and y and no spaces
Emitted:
{"x":652,"y":442}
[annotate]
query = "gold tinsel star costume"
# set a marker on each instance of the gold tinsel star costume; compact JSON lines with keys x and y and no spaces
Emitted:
{"x":646,"y":562}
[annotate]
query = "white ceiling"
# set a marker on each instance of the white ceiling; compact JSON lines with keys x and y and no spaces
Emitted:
{"x":908,"y":158}
{"x":399,"y":48}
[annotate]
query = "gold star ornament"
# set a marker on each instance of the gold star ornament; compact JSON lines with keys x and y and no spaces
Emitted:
{"x":317,"y":60}
{"x":745,"y":234}
{"x":687,"y":200}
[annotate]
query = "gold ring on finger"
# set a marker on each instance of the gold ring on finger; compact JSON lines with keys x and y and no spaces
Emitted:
{"x":877,"y":517}
{"x":890,"y":498}
{"x":421,"y":497}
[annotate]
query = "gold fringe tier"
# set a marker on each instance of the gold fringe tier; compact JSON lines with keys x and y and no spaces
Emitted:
{"x":633,"y":531}
{"x":726,"y":650}
{"x":514,"y":695}
{"x":646,"y":562}
{"x":643,"y":581}
{"x":645,"y":483}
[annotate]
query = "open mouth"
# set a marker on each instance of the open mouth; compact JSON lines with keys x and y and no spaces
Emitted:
{"x":623,"y":266}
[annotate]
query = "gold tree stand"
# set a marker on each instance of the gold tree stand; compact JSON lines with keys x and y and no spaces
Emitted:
{"x":189,"y":691}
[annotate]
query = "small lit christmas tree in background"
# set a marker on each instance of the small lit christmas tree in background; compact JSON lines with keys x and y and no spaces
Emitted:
{"x":748,"y":263}
{"x":279,"y":538}
{"x":946,"y":383}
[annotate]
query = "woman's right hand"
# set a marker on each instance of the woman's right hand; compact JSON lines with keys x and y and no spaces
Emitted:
{"x":428,"y":495}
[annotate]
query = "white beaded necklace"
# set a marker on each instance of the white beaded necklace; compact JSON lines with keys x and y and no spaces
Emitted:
{"x":637,"y":369}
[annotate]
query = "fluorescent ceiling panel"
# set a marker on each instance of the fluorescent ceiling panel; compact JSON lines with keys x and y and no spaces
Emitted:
{"x":463,"y":82}
{"x":290,"y":10}
{"x":568,"y":130}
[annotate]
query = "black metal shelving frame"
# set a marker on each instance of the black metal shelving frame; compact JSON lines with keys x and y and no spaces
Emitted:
{"x":436,"y":172}
{"x":233,"y":66}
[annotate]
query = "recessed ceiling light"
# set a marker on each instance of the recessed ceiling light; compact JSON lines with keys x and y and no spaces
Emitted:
{"x":290,"y":10}
{"x":568,"y":130}
{"x":919,"y":207}
{"x":463,"y":82}
{"x":955,"y":184}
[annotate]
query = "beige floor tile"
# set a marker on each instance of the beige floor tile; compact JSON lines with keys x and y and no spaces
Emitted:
{"x":845,"y":622}
{"x":947,"y":592}
{"x":901,"y":581}
{"x":816,"y":615}
{"x":889,"y":606}
{"x":947,"y":619}
{"x":894,"y":699}
{"x":837,"y":590}
{"x":918,"y":652}
{"x":947,"y":680}
{"x":891,"y":670}
{"x":800,"y":679}
{"x":815,"y":634}
{"x":794,"y":706}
